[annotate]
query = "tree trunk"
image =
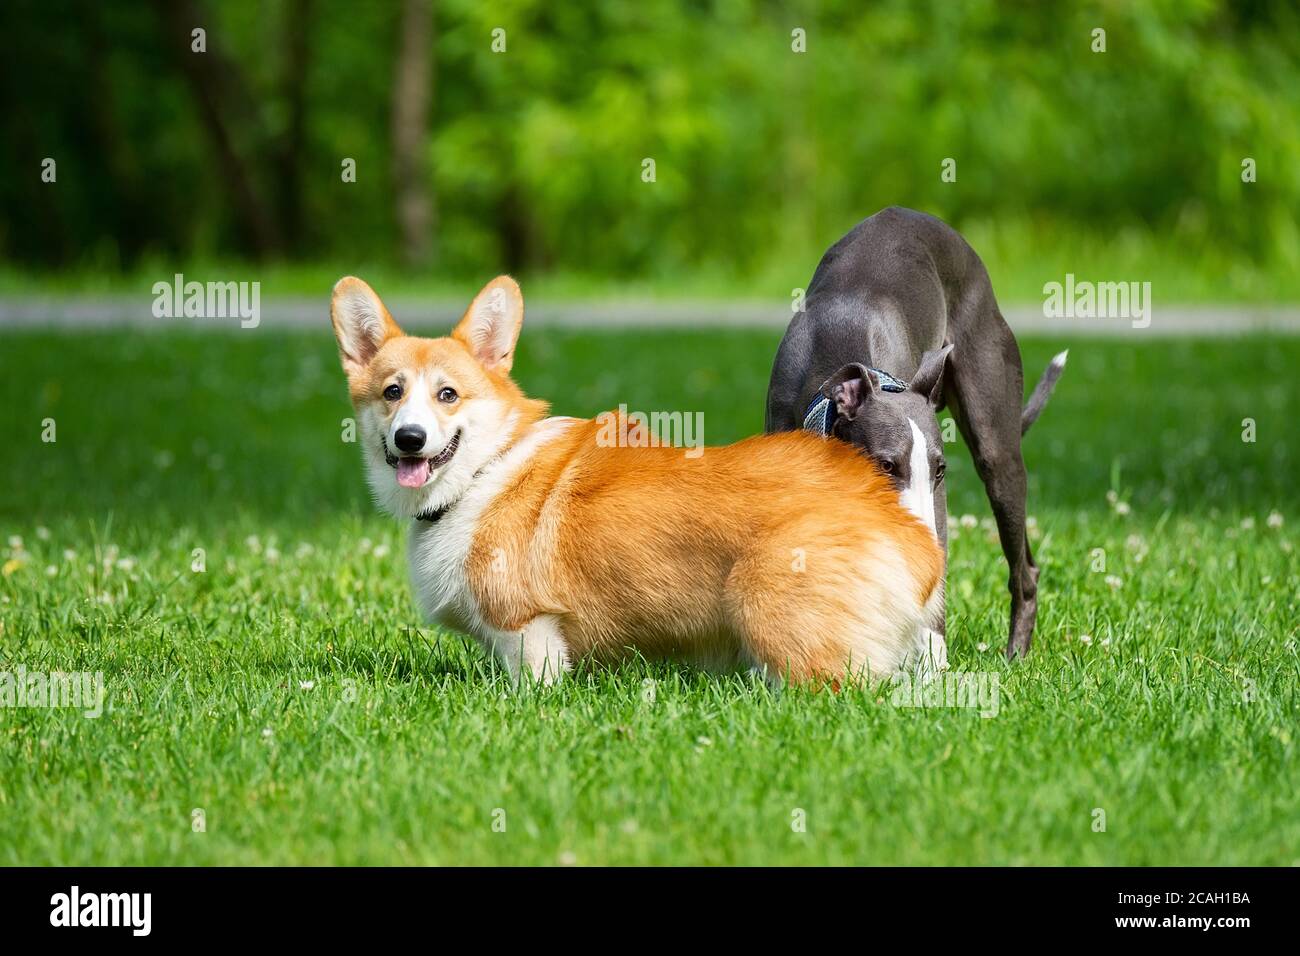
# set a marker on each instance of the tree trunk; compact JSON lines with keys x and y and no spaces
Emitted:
{"x":412,"y":96}
{"x":297,"y":45}
{"x":205,"y":72}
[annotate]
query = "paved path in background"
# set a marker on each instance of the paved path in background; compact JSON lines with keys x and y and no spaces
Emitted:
{"x":81,"y":312}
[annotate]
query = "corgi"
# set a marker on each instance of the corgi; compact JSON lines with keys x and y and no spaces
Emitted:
{"x":787,"y":554}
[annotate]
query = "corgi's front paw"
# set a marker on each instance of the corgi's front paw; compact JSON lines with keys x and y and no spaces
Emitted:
{"x":538,"y":650}
{"x":933,"y":658}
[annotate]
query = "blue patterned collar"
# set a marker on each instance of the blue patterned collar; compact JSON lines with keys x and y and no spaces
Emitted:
{"x":821,"y":410}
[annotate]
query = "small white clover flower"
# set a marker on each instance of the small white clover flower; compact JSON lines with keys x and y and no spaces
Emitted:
{"x":1085,"y":638}
{"x":1274,"y":519}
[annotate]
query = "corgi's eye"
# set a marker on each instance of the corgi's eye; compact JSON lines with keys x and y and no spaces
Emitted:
{"x":393,"y":392}
{"x":447,"y":395}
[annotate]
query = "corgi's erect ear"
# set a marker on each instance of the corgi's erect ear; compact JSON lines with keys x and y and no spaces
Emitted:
{"x":491,"y":324}
{"x":361,"y":323}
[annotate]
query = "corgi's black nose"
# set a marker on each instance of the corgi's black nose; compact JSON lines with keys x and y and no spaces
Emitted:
{"x":409,"y":438}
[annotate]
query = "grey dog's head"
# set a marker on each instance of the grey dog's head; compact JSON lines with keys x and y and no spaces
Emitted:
{"x":897,"y":430}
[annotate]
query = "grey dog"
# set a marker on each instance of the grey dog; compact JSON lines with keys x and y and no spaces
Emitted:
{"x":898,"y":322}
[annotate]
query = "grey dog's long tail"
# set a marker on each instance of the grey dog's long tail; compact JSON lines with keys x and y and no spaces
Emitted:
{"x":1042,"y":391}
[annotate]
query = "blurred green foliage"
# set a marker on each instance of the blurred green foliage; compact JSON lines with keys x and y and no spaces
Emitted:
{"x":763,"y":156}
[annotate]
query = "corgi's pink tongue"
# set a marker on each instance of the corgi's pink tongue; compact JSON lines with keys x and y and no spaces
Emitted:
{"x":412,"y":472}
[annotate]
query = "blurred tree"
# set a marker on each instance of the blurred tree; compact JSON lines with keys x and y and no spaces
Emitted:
{"x":296,"y":41}
{"x":765,"y":150}
{"x":225,"y":106}
{"x":412,"y":92}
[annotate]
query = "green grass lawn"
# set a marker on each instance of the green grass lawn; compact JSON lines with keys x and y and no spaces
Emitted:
{"x":291,"y":693}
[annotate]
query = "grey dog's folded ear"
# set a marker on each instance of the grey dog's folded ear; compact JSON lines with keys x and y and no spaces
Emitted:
{"x":850,"y":388}
{"x":928,"y":379}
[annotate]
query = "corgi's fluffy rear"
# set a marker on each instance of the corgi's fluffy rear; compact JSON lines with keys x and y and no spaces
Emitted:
{"x":789,"y":554}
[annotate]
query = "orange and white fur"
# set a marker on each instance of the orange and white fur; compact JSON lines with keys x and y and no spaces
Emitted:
{"x":789,"y":554}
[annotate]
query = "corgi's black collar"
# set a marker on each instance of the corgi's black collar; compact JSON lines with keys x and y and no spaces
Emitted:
{"x":434,"y":515}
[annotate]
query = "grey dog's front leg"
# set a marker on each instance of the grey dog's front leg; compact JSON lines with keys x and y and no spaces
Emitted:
{"x":940,"y":621}
{"x":790,"y":370}
{"x":989,"y":420}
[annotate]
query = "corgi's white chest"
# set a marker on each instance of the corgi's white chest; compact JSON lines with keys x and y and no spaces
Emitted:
{"x":439,"y":556}
{"x":439,"y":551}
